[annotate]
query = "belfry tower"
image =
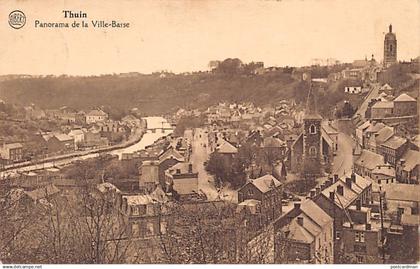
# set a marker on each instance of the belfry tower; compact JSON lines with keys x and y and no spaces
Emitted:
{"x":312,"y":160}
{"x":390,"y":48}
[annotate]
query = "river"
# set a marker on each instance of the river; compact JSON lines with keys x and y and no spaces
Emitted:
{"x":149,"y":137}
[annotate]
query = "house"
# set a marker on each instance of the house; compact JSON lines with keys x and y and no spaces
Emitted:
{"x":273,"y":149}
{"x":362,"y":238}
{"x":304,"y":235}
{"x":382,"y":109}
{"x":78,"y":136}
{"x":388,"y":90}
{"x":93,"y":139}
{"x":373,"y":128}
{"x":367,"y":161}
{"x":96,"y":115}
{"x":393,"y":149}
{"x":11,"y":152}
{"x":60,"y":143}
{"x":337,"y":197}
{"x":380,"y":137}
{"x":405,"y":105}
{"x":183,"y":179}
{"x":268,"y":191}
{"x":146,"y":215}
{"x":353,"y":89}
{"x":360,"y":130}
{"x":332,"y":133}
{"x":383,"y":174}
{"x":408,"y":167}
{"x":402,"y":203}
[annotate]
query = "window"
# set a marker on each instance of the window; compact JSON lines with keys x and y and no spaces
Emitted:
{"x":362,"y":237}
{"x":150,"y":229}
{"x":337,"y":235}
{"x":312,"y":150}
{"x":312,"y":129}
{"x":163,"y":227}
{"x":359,"y":237}
{"x":135,"y":230}
{"x":359,"y":259}
{"x":135,"y":211}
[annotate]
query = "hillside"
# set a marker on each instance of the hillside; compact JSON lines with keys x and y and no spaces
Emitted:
{"x":152,"y":94}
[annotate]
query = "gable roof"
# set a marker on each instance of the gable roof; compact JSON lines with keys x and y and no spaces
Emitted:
{"x":312,"y":210}
{"x":383,"y":104}
{"x":299,"y":233}
{"x":369,"y":159}
{"x":402,"y":192}
{"x":63,"y":137}
{"x":394,"y":142}
{"x":226,"y":148}
{"x":384,"y":134}
{"x":375,"y":127}
{"x":404,"y":98}
{"x":96,"y":112}
{"x":13,"y":146}
{"x":264,"y":183}
{"x":412,"y":159}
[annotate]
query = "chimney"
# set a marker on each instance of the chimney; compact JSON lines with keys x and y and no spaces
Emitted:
{"x":348,"y":182}
{"x":317,"y":190}
{"x":331,"y":195}
{"x":323,"y":186}
{"x":296,"y":205}
{"x":300,"y":221}
{"x":353,"y":177}
{"x":368,"y":226}
{"x":190,"y":169}
{"x":340,"y":190}
{"x":335,"y":178}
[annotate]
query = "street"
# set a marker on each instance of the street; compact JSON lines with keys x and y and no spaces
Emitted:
{"x":343,"y":161}
{"x":200,"y":154}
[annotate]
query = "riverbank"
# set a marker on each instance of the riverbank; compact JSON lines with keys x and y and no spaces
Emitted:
{"x":136,"y":138}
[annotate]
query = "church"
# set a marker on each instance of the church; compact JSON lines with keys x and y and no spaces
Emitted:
{"x":313,"y":149}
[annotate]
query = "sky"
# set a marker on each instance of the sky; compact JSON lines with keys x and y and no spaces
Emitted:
{"x":183,"y":36}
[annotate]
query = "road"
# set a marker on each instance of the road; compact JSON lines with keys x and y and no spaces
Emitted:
{"x":374,"y":93}
{"x":200,"y":154}
{"x":343,"y":161}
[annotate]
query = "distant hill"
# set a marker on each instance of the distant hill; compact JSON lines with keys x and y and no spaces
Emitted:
{"x":152,"y":94}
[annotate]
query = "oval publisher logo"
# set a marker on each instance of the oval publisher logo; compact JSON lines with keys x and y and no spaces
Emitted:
{"x":17,"y":19}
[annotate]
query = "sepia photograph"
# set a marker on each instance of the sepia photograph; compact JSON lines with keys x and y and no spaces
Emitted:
{"x":209,"y":132}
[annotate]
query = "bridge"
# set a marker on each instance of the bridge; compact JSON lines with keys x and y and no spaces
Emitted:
{"x":164,"y":127}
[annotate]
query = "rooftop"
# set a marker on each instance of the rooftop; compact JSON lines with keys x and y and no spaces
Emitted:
{"x":226,"y":148}
{"x":265,"y":183}
{"x":412,"y":159}
{"x":369,"y":159}
{"x":383,"y":104}
{"x":394,"y":142}
{"x":404,"y":98}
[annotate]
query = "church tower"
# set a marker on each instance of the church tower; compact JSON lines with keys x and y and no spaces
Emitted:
{"x":312,"y":155}
{"x":390,"y":48}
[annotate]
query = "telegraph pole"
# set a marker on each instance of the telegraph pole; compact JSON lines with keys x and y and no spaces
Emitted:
{"x":382,"y":224}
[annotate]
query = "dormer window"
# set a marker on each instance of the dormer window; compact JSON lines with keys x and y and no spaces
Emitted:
{"x":312,"y":129}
